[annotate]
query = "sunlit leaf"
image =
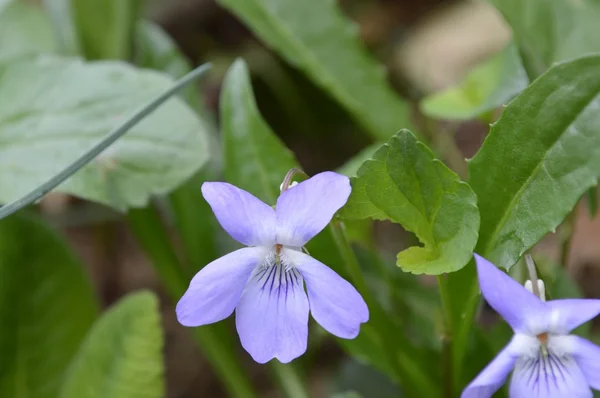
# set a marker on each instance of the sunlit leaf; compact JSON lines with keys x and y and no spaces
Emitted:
{"x":317,"y":38}
{"x":52,"y":110}
{"x":122,"y":355}
{"x":46,"y":308}
{"x":485,"y":88}
{"x":405,"y":184}
{"x":24,"y":30}
{"x":538,"y":159}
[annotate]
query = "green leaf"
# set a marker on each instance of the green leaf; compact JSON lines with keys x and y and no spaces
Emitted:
{"x":24,"y":31}
{"x":485,"y":88}
{"x":60,"y":14}
{"x":254,"y":157}
{"x":549,"y":31}
{"x":314,"y":36}
{"x":122,"y":354}
{"x":350,"y":168}
{"x":405,"y":184}
{"x":52,"y":110}
{"x":538,"y":159}
{"x":46,"y":308}
{"x":105,"y":28}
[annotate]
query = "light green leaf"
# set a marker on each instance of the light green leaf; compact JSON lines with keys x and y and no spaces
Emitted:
{"x":105,"y":28}
{"x":254,"y":157}
{"x":315,"y":36}
{"x":549,"y":31}
{"x":350,"y":168}
{"x":60,"y":13}
{"x":485,"y":88}
{"x":405,"y":184}
{"x":122,"y":355}
{"x":46,"y":308}
{"x":24,"y":30}
{"x":538,"y":159}
{"x":52,"y":110}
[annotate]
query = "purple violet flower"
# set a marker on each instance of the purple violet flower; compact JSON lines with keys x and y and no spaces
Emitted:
{"x":546,"y":361}
{"x":264,"y":282}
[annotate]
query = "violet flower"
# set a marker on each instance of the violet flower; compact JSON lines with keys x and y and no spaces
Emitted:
{"x":546,"y":361}
{"x":264,"y":282}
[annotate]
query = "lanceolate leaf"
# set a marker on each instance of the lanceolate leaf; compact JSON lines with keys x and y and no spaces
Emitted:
{"x":46,"y":308}
{"x":122,"y":355}
{"x":538,"y":159}
{"x":488,"y":86}
{"x":255,"y":159}
{"x":314,"y":36}
{"x":403,"y":183}
{"x":24,"y":30}
{"x":52,"y":110}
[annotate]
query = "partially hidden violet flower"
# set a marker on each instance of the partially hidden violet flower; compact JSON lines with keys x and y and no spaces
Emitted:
{"x":545,"y":360}
{"x":264,"y":282}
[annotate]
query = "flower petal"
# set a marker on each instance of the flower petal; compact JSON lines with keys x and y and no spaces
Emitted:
{"x":215,"y":290}
{"x":570,"y":313}
{"x":246,"y":218}
{"x":305,"y":209}
{"x":334,"y":303}
{"x":522,"y":310}
{"x":548,"y":376}
{"x":587,"y":356}
{"x":272,"y":316}
{"x":494,"y":375}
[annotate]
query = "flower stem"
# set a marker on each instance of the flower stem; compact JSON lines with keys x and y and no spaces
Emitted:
{"x":397,"y":346}
{"x":447,"y":336}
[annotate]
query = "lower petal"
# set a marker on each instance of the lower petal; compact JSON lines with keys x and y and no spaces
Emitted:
{"x":548,"y":376}
{"x":587,"y":356}
{"x":272,"y":315}
{"x":334,"y":303}
{"x":494,"y":375}
{"x":215,"y":290}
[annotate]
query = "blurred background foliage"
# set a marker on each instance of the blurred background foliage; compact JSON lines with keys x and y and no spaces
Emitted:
{"x":89,"y":276}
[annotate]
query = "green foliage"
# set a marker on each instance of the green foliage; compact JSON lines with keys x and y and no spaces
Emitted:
{"x":46,"y":308}
{"x":105,"y":28}
{"x":52,"y":110}
{"x":549,"y":31}
{"x":485,"y":88}
{"x":24,"y":30}
{"x":254,"y":158}
{"x":122,"y":355}
{"x":314,"y":36}
{"x":405,"y":184}
{"x":538,"y":160}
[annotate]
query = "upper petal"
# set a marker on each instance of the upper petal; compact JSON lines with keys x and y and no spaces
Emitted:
{"x":334,"y":303}
{"x":246,"y":218}
{"x":522,"y":310}
{"x":587,"y":356}
{"x":272,"y":315}
{"x":493,"y":376}
{"x":216,"y":289}
{"x":305,"y":209}
{"x":568,"y":314}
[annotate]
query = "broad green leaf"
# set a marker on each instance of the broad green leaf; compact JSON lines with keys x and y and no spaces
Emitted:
{"x":317,"y":38}
{"x":485,"y":88}
{"x":549,"y":31}
{"x":24,"y":30}
{"x":60,"y":13}
{"x":403,"y":183}
{"x":121,"y":356}
{"x":46,"y":307}
{"x":254,"y":158}
{"x":53,"y":109}
{"x":538,"y":159}
{"x":105,"y":28}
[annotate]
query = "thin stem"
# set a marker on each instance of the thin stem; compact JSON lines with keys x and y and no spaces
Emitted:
{"x":395,"y":345}
{"x":109,"y":139}
{"x":566,"y":234}
{"x":287,"y":180}
{"x":447,"y":335}
{"x":532,"y":275}
{"x":289,"y":379}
